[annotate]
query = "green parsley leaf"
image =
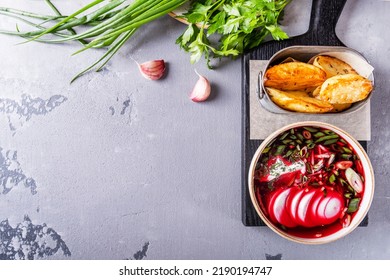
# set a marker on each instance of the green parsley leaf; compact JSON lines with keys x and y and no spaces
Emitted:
{"x":276,"y":32}
{"x":240,"y":25}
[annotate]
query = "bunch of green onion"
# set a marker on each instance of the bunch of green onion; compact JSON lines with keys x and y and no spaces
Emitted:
{"x":109,"y":25}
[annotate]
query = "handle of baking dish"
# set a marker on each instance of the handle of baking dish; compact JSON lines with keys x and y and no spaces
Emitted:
{"x":259,"y":88}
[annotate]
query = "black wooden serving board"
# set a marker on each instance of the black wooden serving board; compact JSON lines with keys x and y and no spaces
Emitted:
{"x":321,"y":32}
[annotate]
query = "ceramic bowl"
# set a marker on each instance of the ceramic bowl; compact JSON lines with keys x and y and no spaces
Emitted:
{"x":323,"y":233}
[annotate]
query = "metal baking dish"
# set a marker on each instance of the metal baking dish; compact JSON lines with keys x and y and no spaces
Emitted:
{"x":304,"y":54}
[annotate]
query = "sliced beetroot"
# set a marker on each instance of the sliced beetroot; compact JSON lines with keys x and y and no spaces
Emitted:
{"x":311,"y":215}
{"x":290,"y":197}
{"x":271,"y":202}
{"x":334,"y":207}
{"x":293,"y":204}
{"x":320,"y":218}
{"x":330,"y":207}
{"x":303,"y":206}
{"x":279,"y":209}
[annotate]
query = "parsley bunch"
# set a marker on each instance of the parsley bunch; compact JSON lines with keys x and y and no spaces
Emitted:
{"x":240,"y":24}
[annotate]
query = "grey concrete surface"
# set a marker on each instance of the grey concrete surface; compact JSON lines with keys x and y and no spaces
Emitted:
{"x":118,"y":167}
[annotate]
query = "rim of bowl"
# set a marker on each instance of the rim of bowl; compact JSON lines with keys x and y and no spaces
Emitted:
{"x":365,"y":203}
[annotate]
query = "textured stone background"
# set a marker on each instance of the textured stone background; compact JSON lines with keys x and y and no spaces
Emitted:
{"x":118,"y":167}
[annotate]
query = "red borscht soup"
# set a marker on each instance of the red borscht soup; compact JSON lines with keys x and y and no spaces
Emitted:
{"x":309,"y":182}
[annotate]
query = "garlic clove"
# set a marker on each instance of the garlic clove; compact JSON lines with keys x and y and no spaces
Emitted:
{"x":201,"y":90}
{"x":153,"y":69}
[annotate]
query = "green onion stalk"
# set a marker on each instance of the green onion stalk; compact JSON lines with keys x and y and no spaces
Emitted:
{"x":107,"y":24}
